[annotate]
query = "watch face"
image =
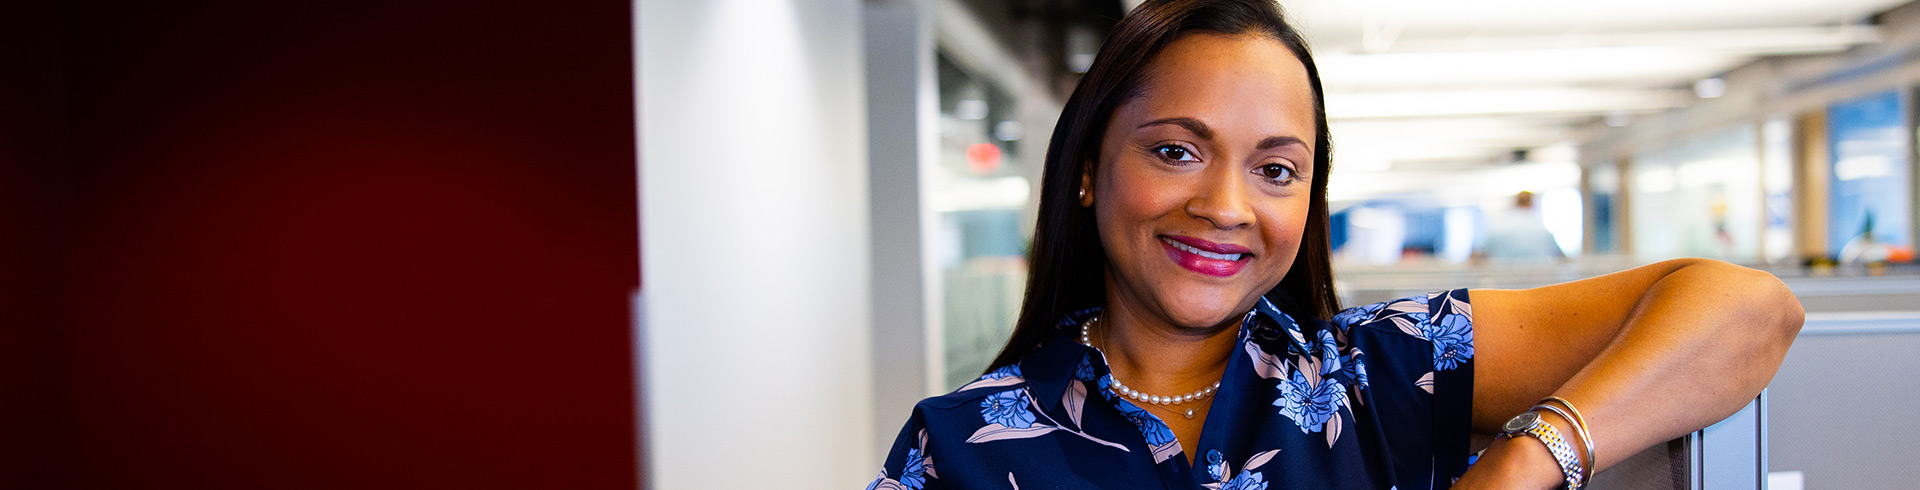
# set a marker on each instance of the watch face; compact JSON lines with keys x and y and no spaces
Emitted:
{"x":1522,"y":422}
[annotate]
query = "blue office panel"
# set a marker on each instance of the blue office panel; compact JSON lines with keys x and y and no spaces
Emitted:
{"x":1871,"y":168}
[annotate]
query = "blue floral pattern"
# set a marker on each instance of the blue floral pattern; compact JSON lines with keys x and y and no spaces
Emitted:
{"x":1359,"y":368}
{"x":1156,"y":432}
{"x":1007,"y":408}
{"x":1452,"y":340}
{"x":1310,"y":405}
{"x":1351,"y":316}
{"x":1305,"y":391}
{"x":1224,"y":479}
{"x":1250,"y":480}
{"x":1008,"y":371}
{"x":1329,"y":353}
{"x":914,"y":475}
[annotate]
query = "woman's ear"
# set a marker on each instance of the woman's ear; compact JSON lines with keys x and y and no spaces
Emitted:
{"x":1086,"y":186}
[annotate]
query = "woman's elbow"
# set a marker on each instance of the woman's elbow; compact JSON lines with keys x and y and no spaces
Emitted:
{"x":1774,"y":314}
{"x":1784,"y":313}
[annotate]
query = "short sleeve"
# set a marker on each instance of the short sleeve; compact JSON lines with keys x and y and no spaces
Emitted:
{"x":1418,"y":368}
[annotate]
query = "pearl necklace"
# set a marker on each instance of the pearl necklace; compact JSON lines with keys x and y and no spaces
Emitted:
{"x":1123,"y":390}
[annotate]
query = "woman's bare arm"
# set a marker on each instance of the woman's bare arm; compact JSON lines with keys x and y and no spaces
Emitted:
{"x":1647,"y":354}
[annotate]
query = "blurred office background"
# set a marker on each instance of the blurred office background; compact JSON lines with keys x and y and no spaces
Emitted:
{"x":1478,"y":143}
{"x":729,"y":243}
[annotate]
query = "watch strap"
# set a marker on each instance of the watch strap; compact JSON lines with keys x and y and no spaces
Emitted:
{"x":1563,"y":453}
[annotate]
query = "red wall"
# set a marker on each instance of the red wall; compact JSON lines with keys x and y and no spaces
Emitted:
{"x":344,"y":244}
{"x":35,"y":413}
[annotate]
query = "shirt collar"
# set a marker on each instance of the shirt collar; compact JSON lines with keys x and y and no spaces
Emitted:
{"x":1057,"y":360}
{"x":1278,"y":322}
{"x":1053,"y":364}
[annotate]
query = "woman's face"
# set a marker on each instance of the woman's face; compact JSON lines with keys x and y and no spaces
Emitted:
{"x":1204,"y":179}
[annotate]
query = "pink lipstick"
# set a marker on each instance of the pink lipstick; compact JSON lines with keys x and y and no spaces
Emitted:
{"x":1213,"y":259}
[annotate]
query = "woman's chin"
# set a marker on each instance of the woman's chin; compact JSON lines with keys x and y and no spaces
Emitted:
{"x":1199,"y":304}
{"x":1203,"y":315}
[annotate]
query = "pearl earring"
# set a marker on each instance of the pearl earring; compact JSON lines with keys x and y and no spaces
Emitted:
{"x":1083,"y":193}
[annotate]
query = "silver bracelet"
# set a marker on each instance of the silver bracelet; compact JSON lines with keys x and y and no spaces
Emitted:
{"x":1529,"y":423}
{"x":1577,"y":479}
{"x":1580,"y":428}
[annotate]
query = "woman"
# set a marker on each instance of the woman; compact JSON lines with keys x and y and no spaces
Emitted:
{"x":1179,"y":328}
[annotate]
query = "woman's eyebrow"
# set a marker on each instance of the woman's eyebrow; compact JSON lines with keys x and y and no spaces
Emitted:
{"x":1278,"y":141}
{"x":1191,"y":124}
{"x":1200,"y":129}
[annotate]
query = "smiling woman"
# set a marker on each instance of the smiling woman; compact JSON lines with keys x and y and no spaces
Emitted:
{"x":1180,"y":312}
{"x":1216,"y":191}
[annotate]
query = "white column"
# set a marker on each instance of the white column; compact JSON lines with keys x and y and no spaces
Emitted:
{"x":755,"y":336}
{"x":903,"y":112}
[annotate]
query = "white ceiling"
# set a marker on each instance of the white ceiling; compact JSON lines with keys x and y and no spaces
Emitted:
{"x":1424,"y":84}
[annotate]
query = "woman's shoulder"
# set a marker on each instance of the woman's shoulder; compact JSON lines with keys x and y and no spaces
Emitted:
{"x":1000,"y":396}
{"x":1421,"y":315}
{"x":940,"y":421}
{"x":998,"y":381}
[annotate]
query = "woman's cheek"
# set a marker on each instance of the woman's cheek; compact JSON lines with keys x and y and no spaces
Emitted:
{"x":1135,"y":198}
{"x":1117,"y":209}
{"x":1289,"y":229}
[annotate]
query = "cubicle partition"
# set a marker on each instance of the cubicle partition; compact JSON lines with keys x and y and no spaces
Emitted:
{"x":1841,"y":408}
{"x":1730,"y":455}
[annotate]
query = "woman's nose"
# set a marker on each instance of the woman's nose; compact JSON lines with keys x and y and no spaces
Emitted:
{"x":1221,"y":200}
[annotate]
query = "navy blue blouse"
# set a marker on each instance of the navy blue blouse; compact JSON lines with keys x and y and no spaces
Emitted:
{"x":1379,"y":399}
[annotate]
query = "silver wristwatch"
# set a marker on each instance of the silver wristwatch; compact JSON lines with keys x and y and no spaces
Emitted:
{"x":1528,"y":423}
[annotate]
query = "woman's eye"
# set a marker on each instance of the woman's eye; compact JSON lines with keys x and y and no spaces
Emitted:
{"x":1275,"y":172}
{"x":1175,"y":152}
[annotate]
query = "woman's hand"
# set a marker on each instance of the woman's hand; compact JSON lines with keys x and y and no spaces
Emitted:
{"x":1513,"y":464}
{"x":1518,"y":462}
{"x":1647,"y":354}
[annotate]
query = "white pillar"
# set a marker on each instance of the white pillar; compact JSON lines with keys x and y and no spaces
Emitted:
{"x":755,"y":335}
{"x":903,"y":112}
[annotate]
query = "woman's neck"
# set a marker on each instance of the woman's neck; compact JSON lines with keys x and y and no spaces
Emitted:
{"x":1156,"y":356}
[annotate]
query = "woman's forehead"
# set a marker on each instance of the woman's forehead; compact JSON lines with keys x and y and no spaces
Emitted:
{"x":1245,"y":82}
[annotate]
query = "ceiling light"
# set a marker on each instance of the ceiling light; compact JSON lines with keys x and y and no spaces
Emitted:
{"x":971,"y":109}
{"x":1710,"y":88}
{"x":1009,"y":130}
{"x":1549,"y":100}
{"x":1618,"y":119}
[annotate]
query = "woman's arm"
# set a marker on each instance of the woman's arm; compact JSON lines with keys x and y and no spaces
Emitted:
{"x":1647,"y":354}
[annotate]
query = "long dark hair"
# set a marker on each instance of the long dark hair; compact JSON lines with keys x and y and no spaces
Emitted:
{"x":1068,"y":262}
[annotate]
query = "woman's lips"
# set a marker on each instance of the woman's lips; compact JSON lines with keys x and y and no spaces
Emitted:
{"x":1213,"y":259}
